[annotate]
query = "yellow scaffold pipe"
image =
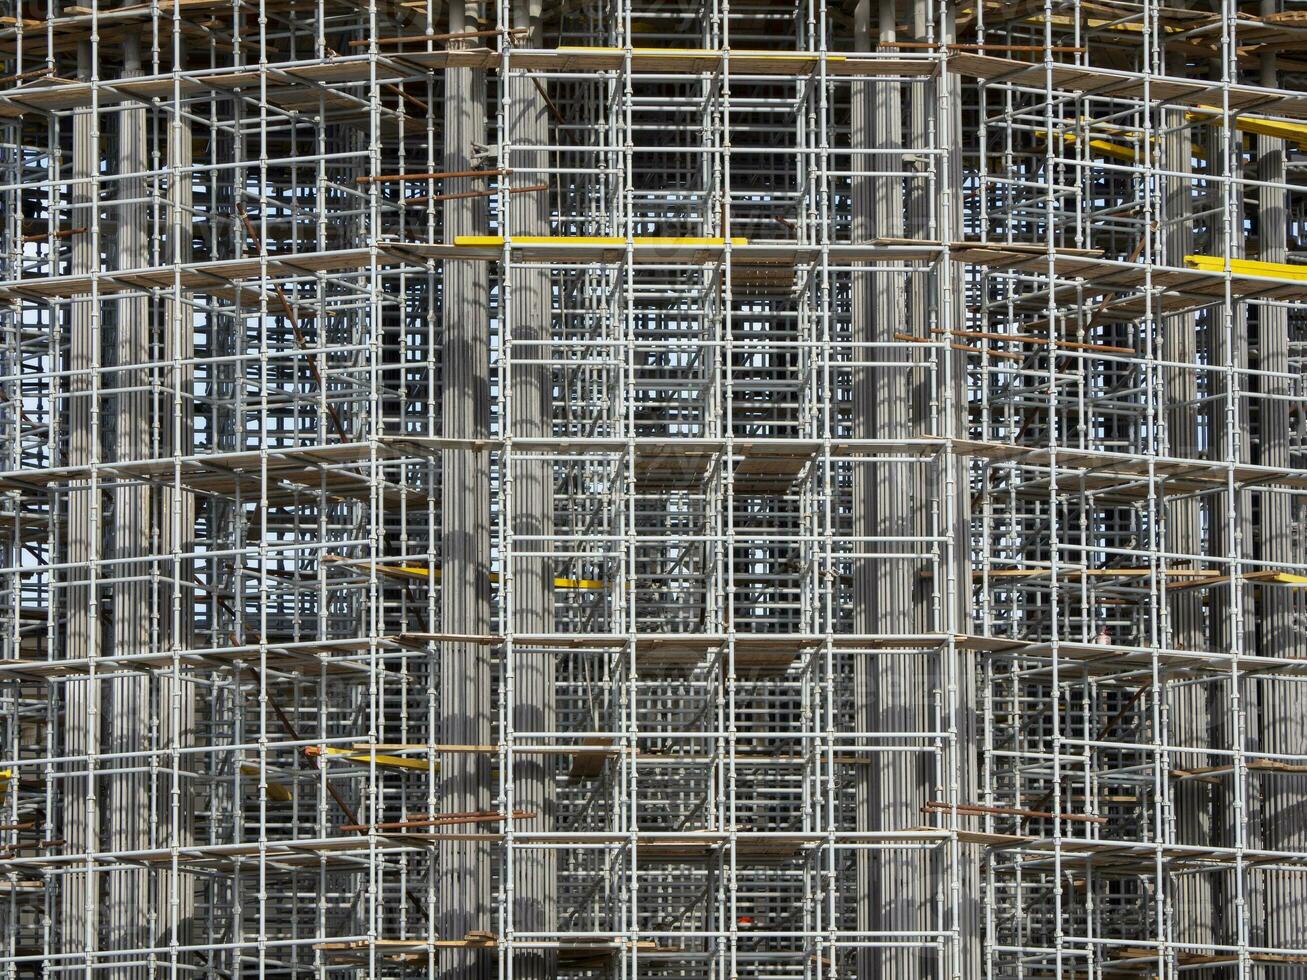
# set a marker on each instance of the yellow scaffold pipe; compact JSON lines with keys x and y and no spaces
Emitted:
{"x":1259,"y":125}
{"x":1125,"y":152}
{"x":277,"y":792}
{"x":1118,"y":151}
{"x":422,"y":573}
{"x":365,"y":758}
{"x":497,"y":241}
{"x":1248,"y":267}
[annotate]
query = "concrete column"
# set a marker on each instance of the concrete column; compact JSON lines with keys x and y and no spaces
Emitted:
{"x":890,"y":689}
{"x":1189,"y":709}
{"x":466,"y":709}
{"x":954,"y":418}
{"x":1230,"y":522}
{"x":1283,"y":711}
{"x":129,"y":908}
{"x":79,"y":909}
{"x":531,"y":306}
{"x":176,"y":516}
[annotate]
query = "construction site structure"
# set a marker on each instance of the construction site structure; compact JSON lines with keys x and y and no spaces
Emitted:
{"x":704,"y":489}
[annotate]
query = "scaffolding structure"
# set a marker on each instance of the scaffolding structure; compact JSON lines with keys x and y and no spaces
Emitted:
{"x":653,"y":488}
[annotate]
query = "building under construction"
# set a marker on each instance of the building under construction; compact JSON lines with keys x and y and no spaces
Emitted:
{"x":703,"y":489}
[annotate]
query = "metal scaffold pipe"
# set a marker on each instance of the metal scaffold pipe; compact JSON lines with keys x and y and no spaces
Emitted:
{"x":612,"y":490}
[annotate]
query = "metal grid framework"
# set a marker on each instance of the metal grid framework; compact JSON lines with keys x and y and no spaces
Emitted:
{"x":739,"y":488}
